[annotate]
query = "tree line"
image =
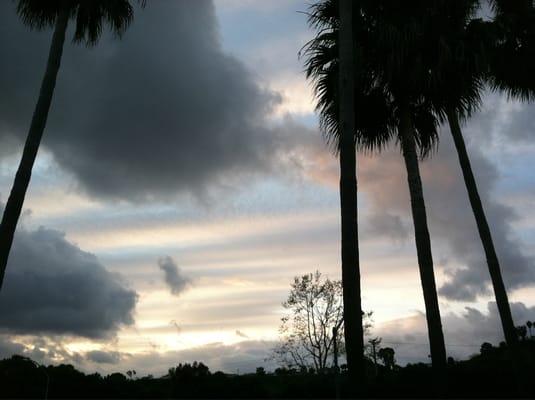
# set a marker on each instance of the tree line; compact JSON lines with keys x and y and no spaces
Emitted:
{"x":485,"y":375}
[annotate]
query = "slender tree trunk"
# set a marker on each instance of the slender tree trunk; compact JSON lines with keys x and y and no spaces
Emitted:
{"x":335,"y":363}
{"x":348,"y":198}
{"x":484,"y":231}
{"x":423,"y":244}
{"x":15,"y":201}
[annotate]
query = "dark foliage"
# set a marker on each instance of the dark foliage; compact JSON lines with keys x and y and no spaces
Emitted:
{"x":90,"y":16}
{"x":487,"y":374}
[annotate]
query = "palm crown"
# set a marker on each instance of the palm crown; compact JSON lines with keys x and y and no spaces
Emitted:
{"x":397,"y":62}
{"x":513,"y":57}
{"x":90,"y":16}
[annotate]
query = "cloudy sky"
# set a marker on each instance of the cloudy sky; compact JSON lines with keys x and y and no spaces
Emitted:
{"x":183,"y":182}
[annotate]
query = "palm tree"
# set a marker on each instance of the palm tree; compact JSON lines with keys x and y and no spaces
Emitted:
{"x":89,"y":17}
{"x":354,"y":335}
{"x":374,"y":118}
{"x":460,"y":72}
{"x":510,"y":44}
{"x":389,"y":81}
{"x":471,"y":74}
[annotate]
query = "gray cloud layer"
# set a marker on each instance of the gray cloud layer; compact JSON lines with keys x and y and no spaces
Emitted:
{"x":164,"y":110}
{"x":453,"y":219}
{"x":173,"y":276}
{"x":53,"y":287}
{"x":104,"y":357}
{"x":464,"y":333}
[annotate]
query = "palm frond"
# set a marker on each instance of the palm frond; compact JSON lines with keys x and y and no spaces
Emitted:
{"x":90,"y":16}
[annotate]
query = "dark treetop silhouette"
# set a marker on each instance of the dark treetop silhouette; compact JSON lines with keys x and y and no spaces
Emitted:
{"x":89,"y":16}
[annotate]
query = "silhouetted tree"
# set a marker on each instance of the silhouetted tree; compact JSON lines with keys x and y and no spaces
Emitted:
{"x":522,"y":332}
{"x":188,"y":371}
{"x":387,"y":356}
{"x":315,"y":307}
{"x":89,"y":17}
{"x":486,"y":348}
{"x":375,"y":344}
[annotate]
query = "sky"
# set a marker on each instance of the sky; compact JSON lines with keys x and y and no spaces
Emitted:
{"x":183,"y":182}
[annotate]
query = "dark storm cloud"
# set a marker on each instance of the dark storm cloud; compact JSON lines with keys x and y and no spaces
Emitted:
{"x":52,"y":287}
{"x":173,"y":276}
{"x":162,"y":111}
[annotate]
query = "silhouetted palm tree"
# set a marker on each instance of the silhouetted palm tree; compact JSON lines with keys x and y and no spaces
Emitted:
{"x":90,"y":16}
{"x":354,"y":336}
{"x":463,"y":70}
{"x":522,"y":332}
{"x":392,"y":77}
{"x":460,"y":70}
{"x":511,"y":58}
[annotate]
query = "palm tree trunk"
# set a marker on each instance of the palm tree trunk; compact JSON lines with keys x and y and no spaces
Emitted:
{"x":354,"y":337}
{"x":500,"y":292}
{"x":423,"y":243}
{"x":22,"y":179}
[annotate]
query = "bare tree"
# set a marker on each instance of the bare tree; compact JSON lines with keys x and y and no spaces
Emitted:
{"x":313,"y":322}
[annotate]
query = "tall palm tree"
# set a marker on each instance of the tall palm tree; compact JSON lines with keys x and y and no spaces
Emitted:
{"x":373,"y":116}
{"x":89,"y":17}
{"x":354,"y":335}
{"x":463,"y":74}
{"x":503,"y":54}
{"x":392,"y":78}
